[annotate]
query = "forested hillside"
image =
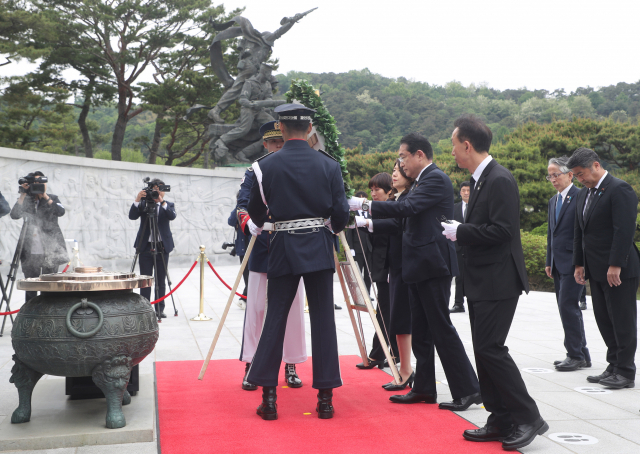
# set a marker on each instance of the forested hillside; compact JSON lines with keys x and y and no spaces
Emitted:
{"x":376,"y":111}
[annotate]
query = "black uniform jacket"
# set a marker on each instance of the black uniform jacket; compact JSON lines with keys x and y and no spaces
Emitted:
{"x":164,"y":216}
{"x":299,"y":183}
{"x":605,"y":237}
{"x":392,"y":227}
{"x":45,"y":220}
{"x":426,"y":253}
{"x":560,"y":233}
{"x":493,"y":262}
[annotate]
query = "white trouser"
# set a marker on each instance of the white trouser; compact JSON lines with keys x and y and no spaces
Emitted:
{"x":294,"y":350}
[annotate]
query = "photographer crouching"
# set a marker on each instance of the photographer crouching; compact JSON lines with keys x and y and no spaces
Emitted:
{"x":150,"y":204}
{"x":44,"y":249}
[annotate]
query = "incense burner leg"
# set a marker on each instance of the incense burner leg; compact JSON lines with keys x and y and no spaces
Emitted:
{"x":25,"y":380}
{"x":112,"y":377}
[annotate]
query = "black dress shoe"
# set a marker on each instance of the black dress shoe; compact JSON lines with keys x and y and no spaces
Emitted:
{"x":571,"y":364}
{"x":325,"y":404}
{"x":163,"y":315}
{"x":523,"y":435}
{"x":414,"y":398}
{"x":456,"y":308}
{"x":597,"y":378}
{"x":291,"y":376}
{"x":391,"y":386}
{"x":372,"y":363}
{"x":461,"y":404}
{"x":487,"y":433}
{"x":245,"y":384}
{"x":617,"y":381}
{"x":336,"y":307}
{"x":268,"y":409}
{"x":583,"y":305}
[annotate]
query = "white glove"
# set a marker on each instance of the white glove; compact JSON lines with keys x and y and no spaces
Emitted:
{"x":361,"y":221}
{"x":355,"y":203}
{"x":450,"y":229}
{"x":254,"y":229}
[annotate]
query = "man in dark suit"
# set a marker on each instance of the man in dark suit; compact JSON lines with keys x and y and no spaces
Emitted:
{"x":166,"y":212}
{"x":559,"y":265}
{"x":494,"y":277}
{"x":428,"y":263}
{"x":459,"y":210}
{"x":604,"y":253}
{"x":304,"y":192}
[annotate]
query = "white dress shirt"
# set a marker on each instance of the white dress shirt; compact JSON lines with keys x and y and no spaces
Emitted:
{"x":589,"y":192}
{"x":483,"y":165}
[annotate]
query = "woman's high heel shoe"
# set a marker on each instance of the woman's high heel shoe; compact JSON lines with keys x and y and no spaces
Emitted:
{"x":393,"y":387}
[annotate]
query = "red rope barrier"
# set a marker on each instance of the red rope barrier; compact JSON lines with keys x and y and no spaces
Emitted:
{"x":221,"y":280}
{"x":177,"y":286}
{"x":66,"y":268}
{"x":9,"y":313}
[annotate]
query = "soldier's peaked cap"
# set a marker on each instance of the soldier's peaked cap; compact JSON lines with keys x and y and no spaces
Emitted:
{"x":294,"y":112}
{"x":270,"y":130}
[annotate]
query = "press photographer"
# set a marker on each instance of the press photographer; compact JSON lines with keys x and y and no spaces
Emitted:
{"x":44,"y":249}
{"x":149,"y":204}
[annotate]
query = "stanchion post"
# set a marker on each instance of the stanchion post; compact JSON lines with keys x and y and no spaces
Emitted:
{"x":201,"y":317}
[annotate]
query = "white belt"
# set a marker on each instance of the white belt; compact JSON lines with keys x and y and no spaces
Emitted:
{"x":296,"y":224}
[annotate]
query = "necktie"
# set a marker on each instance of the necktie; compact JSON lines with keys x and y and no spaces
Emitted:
{"x":473,"y":183}
{"x":464,"y":210}
{"x":558,"y":206}
{"x":592,"y":195}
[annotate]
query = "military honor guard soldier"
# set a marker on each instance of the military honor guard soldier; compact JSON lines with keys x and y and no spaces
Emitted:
{"x":295,"y":347}
{"x":302,"y":191}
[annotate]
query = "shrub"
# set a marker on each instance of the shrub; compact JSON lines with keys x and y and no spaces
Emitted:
{"x":541,"y":230}
{"x":535,"y":255}
{"x":102,"y":154}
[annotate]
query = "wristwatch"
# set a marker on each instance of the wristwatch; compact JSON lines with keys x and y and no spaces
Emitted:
{"x":365,"y":205}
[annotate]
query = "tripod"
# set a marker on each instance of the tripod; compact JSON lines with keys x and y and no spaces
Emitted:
{"x":157,"y":247}
{"x":11,"y":277}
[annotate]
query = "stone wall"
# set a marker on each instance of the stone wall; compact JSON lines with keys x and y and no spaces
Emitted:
{"x":97,"y":195}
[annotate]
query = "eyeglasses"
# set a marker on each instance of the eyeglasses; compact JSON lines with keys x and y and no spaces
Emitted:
{"x":554,"y":176}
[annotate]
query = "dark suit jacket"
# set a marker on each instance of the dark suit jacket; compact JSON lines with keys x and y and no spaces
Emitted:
{"x":493,"y":262}
{"x":560,"y":233}
{"x":393,"y":228}
{"x":426,"y":253}
{"x":299,"y":183}
{"x":164,"y":216}
{"x":605,"y":237}
{"x":354,"y":242}
{"x":45,"y":220}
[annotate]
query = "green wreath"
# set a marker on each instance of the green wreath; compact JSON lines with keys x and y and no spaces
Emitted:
{"x":325,"y":124}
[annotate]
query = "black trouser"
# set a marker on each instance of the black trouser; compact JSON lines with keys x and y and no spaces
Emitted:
{"x":146,"y":268}
{"x":359,"y":259}
{"x":324,"y":343}
{"x":504,"y":393}
{"x":431,"y":327}
{"x":245,"y":276}
{"x":383,"y":316}
{"x":568,"y":293}
{"x":616,"y":314}
{"x":34,"y":266}
{"x":458,"y":299}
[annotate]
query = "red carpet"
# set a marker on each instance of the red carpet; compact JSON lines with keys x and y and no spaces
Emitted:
{"x":216,"y":416}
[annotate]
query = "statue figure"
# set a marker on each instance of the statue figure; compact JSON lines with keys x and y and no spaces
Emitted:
{"x":252,"y":87}
{"x":254,"y":47}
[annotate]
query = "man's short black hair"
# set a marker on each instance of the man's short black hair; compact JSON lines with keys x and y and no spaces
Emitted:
{"x":37,"y":173}
{"x":296,"y":125}
{"x":360,"y":194}
{"x":473,"y":130}
{"x":156,"y":182}
{"x":465,"y":184}
{"x":415,"y":142}
{"x":583,"y":157}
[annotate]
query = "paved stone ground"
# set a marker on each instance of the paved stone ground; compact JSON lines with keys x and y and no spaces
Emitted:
{"x":535,"y":341}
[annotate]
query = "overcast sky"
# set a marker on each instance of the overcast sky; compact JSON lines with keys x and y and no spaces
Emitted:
{"x":542,"y":44}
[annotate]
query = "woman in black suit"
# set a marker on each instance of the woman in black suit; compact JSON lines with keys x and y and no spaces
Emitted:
{"x":399,"y":290}
{"x":381,"y":189}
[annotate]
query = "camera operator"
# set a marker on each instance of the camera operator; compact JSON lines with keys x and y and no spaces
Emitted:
{"x":44,"y":249}
{"x":166,"y":212}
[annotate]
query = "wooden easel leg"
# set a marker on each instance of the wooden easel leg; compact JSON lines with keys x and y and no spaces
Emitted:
{"x":226,"y":309}
{"x":372,"y":312}
{"x":345,"y":292}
